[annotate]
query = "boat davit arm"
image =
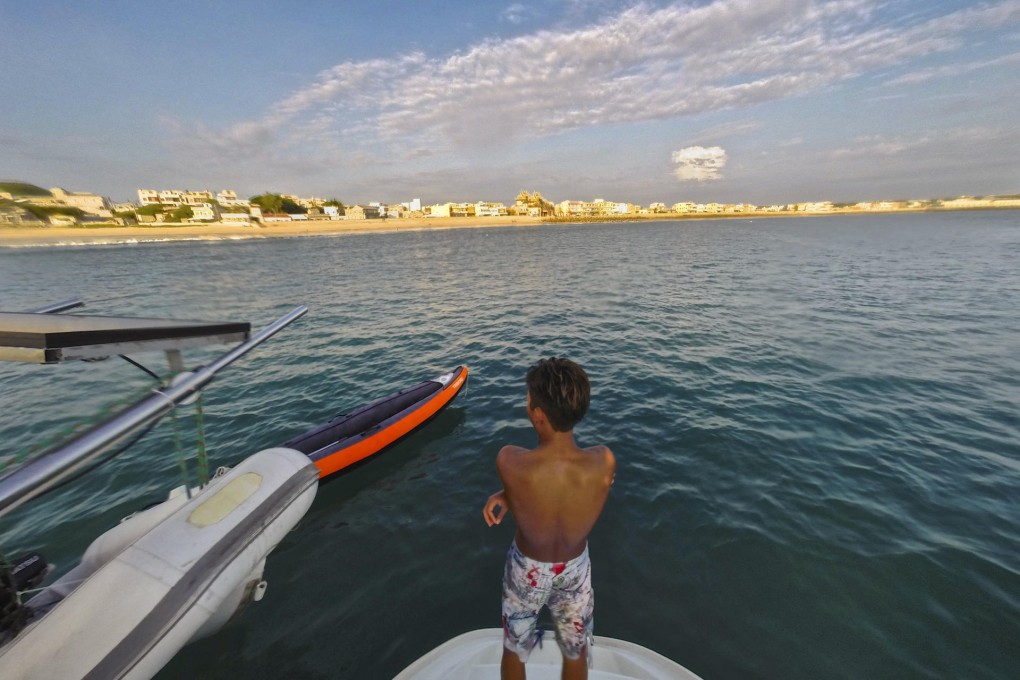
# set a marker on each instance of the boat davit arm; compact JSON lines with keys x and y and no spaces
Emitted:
{"x":63,"y":460}
{"x":58,"y":307}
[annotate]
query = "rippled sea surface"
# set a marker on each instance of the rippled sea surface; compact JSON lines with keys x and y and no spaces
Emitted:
{"x":817,"y":425}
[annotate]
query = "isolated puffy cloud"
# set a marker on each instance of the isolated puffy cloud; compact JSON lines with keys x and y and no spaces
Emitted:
{"x":641,"y":64}
{"x":699,"y":164}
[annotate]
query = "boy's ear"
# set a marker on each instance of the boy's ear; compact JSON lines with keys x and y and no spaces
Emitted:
{"x":539,"y":415}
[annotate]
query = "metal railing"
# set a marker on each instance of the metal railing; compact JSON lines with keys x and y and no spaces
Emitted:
{"x":58,"y":307}
{"x":65,"y":459}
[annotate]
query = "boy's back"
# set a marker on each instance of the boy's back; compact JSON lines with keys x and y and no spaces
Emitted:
{"x":555,"y":495}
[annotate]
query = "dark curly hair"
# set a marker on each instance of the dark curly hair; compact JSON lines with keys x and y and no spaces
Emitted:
{"x":561,"y":389}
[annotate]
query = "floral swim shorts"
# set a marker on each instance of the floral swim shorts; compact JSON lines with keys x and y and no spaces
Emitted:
{"x":564,"y":587}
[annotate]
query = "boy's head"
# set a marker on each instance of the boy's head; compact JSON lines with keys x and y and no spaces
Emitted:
{"x":560,"y":388}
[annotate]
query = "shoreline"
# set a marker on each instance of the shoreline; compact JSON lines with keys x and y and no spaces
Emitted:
{"x":218,"y":231}
{"x":26,"y":237}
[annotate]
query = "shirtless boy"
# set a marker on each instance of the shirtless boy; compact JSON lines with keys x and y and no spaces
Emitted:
{"x":555,"y":492}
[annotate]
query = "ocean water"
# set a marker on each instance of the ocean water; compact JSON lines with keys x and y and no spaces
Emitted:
{"x":816,"y":421}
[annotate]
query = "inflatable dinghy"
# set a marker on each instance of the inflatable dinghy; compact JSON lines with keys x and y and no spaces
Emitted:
{"x":164,"y":577}
{"x":352,"y":437}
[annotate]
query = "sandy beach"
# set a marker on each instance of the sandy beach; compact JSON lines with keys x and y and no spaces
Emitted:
{"x":84,"y":235}
{"x":23,"y":237}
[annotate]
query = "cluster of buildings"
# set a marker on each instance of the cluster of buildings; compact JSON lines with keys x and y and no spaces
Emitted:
{"x":602,"y":208}
{"x":225,"y":206}
{"x":61,"y":207}
{"x":93,"y":206}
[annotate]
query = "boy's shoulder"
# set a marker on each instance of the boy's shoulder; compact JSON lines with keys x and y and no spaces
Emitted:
{"x":511,"y":457}
{"x":601,"y":453}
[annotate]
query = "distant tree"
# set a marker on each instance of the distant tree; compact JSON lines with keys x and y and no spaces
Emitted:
{"x":127,"y":216}
{"x":44,"y":212}
{"x":151,"y":209}
{"x":270,"y":203}
{"x":292,"y":208}
{"x":335,"y":202}
{"x":23,"y":189}
{"x":183,"y":213}
{"x":537,"y":201}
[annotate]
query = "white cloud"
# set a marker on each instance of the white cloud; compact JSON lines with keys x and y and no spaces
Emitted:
{"x":953,"y":70}
{"x":515,"y":14}
{"x":944,"y":143}
{"x":723,"y":131}
{"x":644,"y":63}
{"x":699,"y":164}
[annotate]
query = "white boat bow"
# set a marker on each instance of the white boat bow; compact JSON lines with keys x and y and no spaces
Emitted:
{"x":476,"y":656}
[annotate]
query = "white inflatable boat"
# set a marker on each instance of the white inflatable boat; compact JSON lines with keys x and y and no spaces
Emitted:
{"x":164,"y":576}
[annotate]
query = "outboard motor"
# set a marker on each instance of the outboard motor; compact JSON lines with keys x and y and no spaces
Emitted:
{"x":22,"y":574}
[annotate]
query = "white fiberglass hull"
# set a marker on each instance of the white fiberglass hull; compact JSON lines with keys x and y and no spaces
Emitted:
{"x":165,"y":576}
{"x":476,"y":656}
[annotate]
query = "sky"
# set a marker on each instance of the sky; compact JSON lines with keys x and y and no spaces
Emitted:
{"x":729,"y":101}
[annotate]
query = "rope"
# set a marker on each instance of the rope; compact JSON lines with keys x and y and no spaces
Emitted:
{"x":102,"y":414}
{"x":68,"y":431}
{"x":182,"y":461}
{"x":203,"y":457}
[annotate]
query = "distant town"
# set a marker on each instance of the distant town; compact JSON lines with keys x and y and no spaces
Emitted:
{"x":23,"y":204}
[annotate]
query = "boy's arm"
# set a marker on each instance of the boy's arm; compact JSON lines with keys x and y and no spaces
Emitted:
{"x":498,"y":499}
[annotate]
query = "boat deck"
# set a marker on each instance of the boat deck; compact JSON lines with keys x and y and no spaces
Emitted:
{"x":476,"y":656}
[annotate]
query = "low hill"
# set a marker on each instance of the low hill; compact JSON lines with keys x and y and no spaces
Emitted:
{"x":18,"y":189}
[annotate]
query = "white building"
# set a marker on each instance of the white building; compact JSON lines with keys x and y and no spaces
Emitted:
{"x":483,"y":209}
{"x":576,"y":208}
{"x":241,"y":219}
{"x":438,"y":210}
{"x":203,"y":213}
{"x":311,"y":202}
{"x":171,"y":197}
{"x":194,"y":198}
{"x":90,"y":204}
{"x":362,"y":212}
{"x":17,"y":216}
{"x":966,"y":202}
{"x":229,"y":197}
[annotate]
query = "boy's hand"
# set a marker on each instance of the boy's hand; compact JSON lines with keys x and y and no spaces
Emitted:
{"x":489,"y":512}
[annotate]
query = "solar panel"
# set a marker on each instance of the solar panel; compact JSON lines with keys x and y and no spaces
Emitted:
{"x":53,"y":338}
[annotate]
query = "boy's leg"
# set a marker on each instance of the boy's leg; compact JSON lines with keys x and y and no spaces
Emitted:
{"x":511,"y":667}
{"x":576,"y":669}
